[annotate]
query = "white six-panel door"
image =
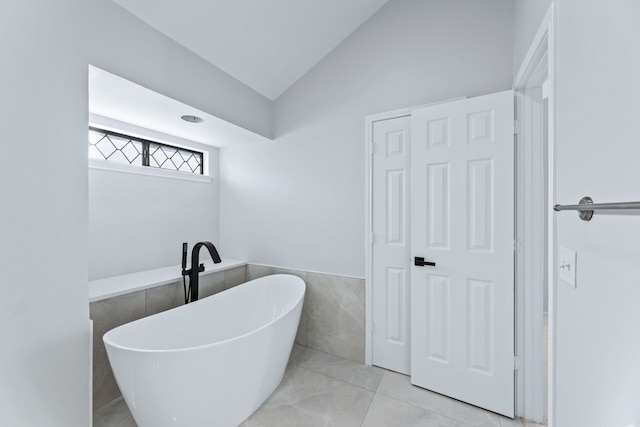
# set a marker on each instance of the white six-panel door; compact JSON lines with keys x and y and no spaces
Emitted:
{"x":391,"y":248}
{"x":462,"y":218}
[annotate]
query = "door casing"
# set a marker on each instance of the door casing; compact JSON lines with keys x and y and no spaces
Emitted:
{"x":536,"y":73}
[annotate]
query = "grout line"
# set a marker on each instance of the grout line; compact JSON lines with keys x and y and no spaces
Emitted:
{"x":292,"y":362}
{"x":305,"y":271}
{"x":368,"y":409}
{"x":103,"y":408}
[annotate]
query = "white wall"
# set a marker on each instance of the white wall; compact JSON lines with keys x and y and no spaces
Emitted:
{"x":138,"y":222}
{"x":140,"y":54}
{"x":528,"y":15}
{"x":598,"y":147}
{"x":44,"y":311}
{"x":299,"y":202}
{"x":43,"y":261}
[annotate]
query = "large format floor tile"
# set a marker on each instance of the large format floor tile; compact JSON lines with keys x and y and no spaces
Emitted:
{"x":367,"y":377}
{"x":386,"y":411}
{"x":116,"y":415}
{"x":399,"y":387}
{"x":306,"y":398}
{"x":320,"y":389}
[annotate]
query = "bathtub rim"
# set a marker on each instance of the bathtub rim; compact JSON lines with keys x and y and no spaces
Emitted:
{"x":299,"y":282}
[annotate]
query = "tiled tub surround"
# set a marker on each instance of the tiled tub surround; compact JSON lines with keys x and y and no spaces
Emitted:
{"x":332,"y":319}
{"x":110,"y":287}
{"x":333,"y":316}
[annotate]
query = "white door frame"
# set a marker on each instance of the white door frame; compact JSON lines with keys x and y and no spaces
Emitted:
{"x":527,"y":400}
{"x":529,"y":300}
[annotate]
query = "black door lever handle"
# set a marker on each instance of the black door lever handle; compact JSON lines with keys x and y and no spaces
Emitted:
{"x":420,"y":262}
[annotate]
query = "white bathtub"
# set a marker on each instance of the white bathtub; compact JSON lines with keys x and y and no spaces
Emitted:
{"x":212,"y":362}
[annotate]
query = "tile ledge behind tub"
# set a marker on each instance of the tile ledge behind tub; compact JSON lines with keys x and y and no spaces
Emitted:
{"x":119,"y":285}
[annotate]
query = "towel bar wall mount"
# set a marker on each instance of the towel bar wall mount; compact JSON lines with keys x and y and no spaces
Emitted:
{"x":586,"y":207}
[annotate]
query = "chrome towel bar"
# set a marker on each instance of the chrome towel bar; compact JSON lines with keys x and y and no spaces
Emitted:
{"x":586,"y":207}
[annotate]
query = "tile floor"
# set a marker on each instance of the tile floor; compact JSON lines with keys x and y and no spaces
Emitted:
{"x":319,"y":389}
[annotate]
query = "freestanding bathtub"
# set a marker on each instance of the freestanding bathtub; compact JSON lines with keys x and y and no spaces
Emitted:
{"x":212,"y":362}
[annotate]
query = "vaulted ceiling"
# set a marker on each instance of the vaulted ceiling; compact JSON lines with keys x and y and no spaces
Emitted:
{"x":266,"y":44}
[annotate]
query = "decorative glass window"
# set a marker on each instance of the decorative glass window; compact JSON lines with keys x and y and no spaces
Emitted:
{"x":130,"y":150}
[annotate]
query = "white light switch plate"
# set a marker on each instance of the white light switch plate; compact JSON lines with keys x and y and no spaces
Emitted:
{"x":567,"y":266}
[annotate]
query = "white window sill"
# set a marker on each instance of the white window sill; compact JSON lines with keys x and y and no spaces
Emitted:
{"x":146,"y":170}
{"x":127,"y":283}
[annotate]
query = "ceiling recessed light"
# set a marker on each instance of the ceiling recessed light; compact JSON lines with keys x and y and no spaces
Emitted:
{"x":192,"y":119}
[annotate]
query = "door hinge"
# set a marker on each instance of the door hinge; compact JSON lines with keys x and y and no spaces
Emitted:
{"x":516,"y":127}
{"x":372,"y":327}
{"x":517,"y":363}
{"x":517,"y":245}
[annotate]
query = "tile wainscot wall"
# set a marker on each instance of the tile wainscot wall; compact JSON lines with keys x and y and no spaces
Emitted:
{"x":332,"y":318}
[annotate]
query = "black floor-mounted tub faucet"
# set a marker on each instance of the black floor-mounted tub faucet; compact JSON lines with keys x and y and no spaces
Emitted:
{"x":196,"y":267}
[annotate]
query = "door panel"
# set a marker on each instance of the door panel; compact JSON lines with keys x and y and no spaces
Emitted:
{"x":437,"y":303}
{"x":390,"y":249}
{"x":438,"y":231}
{"x":462,"y":218}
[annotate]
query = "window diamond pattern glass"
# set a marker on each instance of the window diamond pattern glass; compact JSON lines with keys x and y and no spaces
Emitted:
{"x":106,"y":147}
{"x":174,"y":158}
{"x":115,"y":148}
{"x":119,"y":148}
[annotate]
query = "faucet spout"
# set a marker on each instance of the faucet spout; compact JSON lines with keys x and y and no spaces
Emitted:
{"x":196,"y":267}
{"x":212,"y":251}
